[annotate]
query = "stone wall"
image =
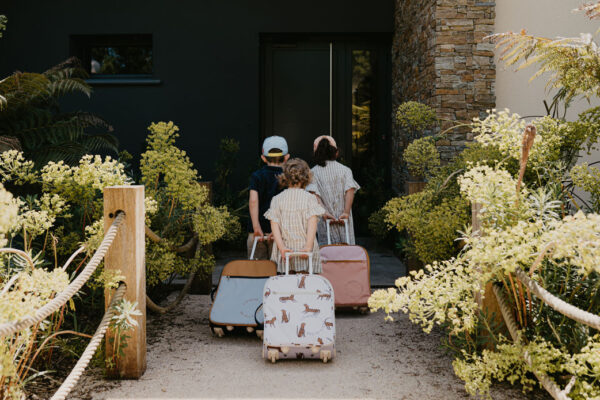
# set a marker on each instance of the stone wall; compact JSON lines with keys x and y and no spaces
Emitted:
{"x":439,"y":59}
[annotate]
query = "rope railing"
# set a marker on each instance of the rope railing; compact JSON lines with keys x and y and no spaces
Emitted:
{"x":71,"y":380}
{"x":511,"y":324}
{"x":566,"y":309}
{"x":61,"y":299}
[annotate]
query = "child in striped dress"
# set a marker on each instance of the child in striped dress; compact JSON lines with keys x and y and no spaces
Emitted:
{"x":294,"y":214}
{"x":335,"y":187}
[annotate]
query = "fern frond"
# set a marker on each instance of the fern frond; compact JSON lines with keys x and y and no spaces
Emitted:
{"x":69,"y":85}
{"x":22,"y":88}
{"x":570,"y":63}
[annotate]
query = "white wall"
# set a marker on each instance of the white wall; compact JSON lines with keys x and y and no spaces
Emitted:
{"x":549,"y":18}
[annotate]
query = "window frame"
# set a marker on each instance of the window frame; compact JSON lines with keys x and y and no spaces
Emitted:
{"x":81,"y":45}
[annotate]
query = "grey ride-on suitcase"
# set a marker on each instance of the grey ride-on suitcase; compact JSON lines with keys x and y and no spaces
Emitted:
{"x":238,"y":294}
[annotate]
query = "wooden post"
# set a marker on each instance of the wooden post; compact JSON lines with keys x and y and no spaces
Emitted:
{"x":127,"y":256}
{"x":488,"y":304}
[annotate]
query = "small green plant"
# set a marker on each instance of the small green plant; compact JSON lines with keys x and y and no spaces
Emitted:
{"x":122,"y":322}
{"x":414,"y":119}
{"x":422,"y":157}
{"x":3,"y":21}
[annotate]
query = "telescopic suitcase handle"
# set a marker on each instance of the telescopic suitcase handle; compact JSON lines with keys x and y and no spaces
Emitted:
{"x":328,"y":222}
{"x":298,"y":253}
{"x":256,"y":239}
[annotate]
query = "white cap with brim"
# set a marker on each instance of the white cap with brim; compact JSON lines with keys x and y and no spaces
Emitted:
{"x":274,"y":142}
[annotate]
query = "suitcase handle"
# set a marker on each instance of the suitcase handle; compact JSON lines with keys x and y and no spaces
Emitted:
{"x":256,"y":239}
{"x":328,"y":222}
{"x":298,"y":253}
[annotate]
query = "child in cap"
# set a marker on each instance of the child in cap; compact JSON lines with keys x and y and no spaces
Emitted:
{"x":334,"y":186}
{"x":294,"y":214}
{"x":263,"y":187}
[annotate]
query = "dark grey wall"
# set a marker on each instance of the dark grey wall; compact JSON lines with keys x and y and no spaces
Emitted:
{"x":206,"y":52}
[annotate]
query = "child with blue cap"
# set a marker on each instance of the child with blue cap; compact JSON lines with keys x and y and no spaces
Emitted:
{"x":264,"y":185}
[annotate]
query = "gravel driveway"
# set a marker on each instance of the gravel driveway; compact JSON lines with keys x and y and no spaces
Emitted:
{"x":375,"y":360}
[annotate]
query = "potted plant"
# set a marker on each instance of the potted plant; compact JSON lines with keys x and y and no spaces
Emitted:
{"x":416,"y":121}
{"x":422,"y":159}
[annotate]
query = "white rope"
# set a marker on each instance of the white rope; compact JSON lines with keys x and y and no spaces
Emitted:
{"x":20,"y":253}
{"x":90,"y":350}
{"x":546,"y":382}
{"x":566,"y":309}
{"x":70,"y":260}
{"x":61,"y":299}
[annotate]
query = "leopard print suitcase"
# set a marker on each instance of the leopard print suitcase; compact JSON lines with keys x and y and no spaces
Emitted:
{"x":299,"y":316}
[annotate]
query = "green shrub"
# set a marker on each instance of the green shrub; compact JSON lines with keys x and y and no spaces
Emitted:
{"x":422,"y":157}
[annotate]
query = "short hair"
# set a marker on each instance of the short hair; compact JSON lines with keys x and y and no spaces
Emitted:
{"x":325,"y":152}
{"x":295,"y":172}
{"x":275,"y":159}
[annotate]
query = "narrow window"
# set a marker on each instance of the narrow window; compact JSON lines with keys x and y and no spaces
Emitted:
{"x":115,"y":56}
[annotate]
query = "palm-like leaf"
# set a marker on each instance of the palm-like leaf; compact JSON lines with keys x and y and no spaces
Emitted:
{"x":29,"y":112}
{"x":592,"y":10}
{"x":573,"y":64}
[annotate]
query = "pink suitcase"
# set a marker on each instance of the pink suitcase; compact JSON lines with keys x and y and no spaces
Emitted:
{"x":347,"y":268}
{"x":299,"y":316}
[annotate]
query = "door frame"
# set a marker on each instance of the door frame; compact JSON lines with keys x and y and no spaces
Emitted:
{"x":341,"y":96}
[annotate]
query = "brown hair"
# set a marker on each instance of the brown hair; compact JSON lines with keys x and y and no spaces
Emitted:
{"x":325,"y":152}
{"x":295,"y":171}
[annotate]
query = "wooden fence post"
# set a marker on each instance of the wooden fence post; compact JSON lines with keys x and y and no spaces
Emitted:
{"x":127,"y":256}
{"x":488,"y":304}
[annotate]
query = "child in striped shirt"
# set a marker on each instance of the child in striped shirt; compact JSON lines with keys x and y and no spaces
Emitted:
{"x":294,"y":214}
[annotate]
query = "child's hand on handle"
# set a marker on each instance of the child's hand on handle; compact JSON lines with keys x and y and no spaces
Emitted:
{"x":283,"y":252}
{"x":258,"y":233}
{"x":344,"y":216}
{"x":270,"y":237}
{"x":327,"y":216}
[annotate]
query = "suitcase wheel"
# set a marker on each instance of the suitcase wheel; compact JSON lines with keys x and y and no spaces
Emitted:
{"x":218,"y":332}
{"x":259,"y":333}
{"x":229,"y":328}
{"x":273,"y":355}
{"x":364,"y":310}
{"x":250,"y":329}
{"x":325,"y":355}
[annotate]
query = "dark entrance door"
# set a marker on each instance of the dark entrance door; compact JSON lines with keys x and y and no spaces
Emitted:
{"x":314,"y":85}
{"x":296,"y":93}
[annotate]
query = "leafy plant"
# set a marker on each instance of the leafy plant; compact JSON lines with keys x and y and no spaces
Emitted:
{"x":184,"y":209}
{"x":30,"y":114}
{"x":415,"y":119}
{"x":422,"y":157}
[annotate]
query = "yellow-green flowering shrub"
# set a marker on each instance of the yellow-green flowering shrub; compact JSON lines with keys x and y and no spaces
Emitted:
{"x":14,"y":167}
{"x":442,"y":293}
{"x":167,"y":170}
{"x":82,"y":184}
{"x":587,"y":178}
{"x":432,"y":225}
{"x":182,"y":204}
{"x":9,"y":209}
{"x":30,"y":291}
{"x":495,"y":190}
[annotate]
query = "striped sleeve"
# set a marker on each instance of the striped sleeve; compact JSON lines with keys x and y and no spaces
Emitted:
{"x":349,"y":182}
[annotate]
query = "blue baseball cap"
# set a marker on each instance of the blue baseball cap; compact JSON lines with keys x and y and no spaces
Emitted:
{"x":274,"y":142}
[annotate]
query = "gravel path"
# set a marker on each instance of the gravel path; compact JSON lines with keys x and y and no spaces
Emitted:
{"x":375,"y":360}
